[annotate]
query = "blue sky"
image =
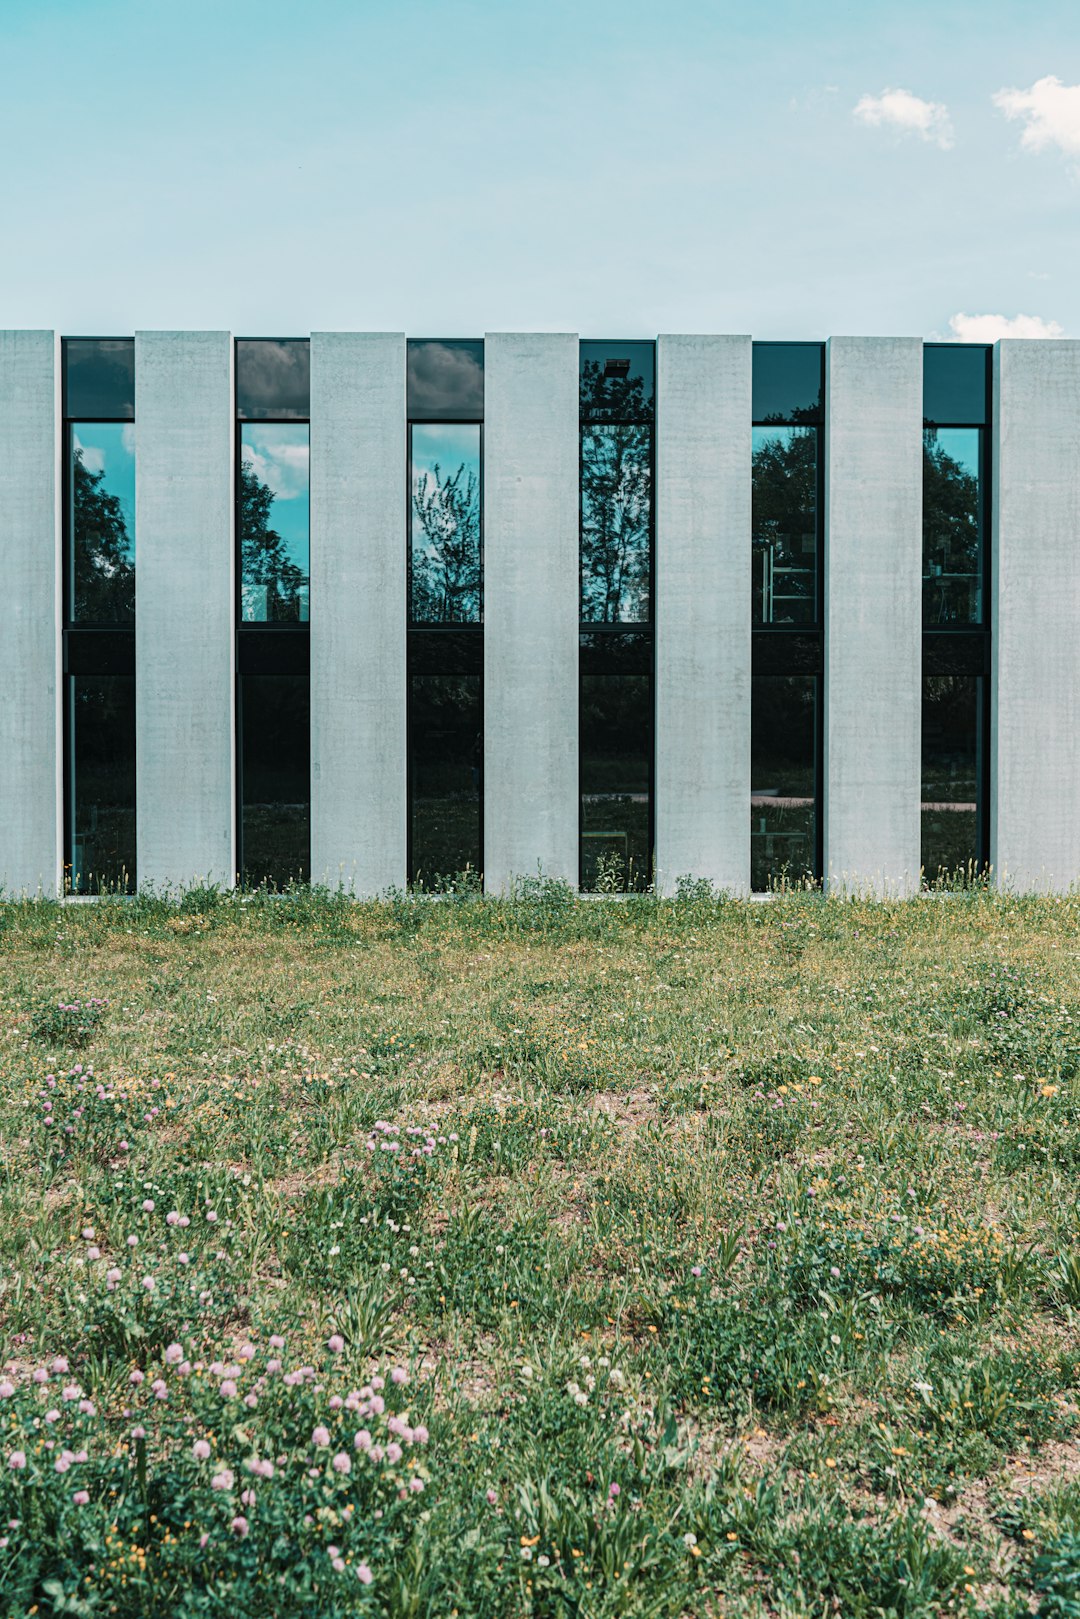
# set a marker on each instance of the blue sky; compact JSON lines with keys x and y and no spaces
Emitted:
{"x":616,"y":169}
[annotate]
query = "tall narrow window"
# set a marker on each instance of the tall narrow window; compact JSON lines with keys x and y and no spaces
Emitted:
{"x":956,"y":620}
{"x":99,"y":614}
{"x":786,"y":473}
{"x":273,"y":562}
{"x":445,"y":646}
{"x":616,"y":659}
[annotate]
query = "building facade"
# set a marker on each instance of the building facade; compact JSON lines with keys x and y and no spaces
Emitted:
{"x":368,"y":611}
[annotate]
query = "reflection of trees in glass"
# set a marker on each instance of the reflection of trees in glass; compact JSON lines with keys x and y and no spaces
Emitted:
{"x":951,"y":538}
{"x":446,"y":546}
{"x":264,"y":556}
{"x":783,"y":803}
{"x":616,"y":492}
{"x":103,"y":567}
{"x":785,"y":524}
{"x":446,"y":748}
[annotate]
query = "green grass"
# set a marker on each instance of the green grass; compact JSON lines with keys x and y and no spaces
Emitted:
{"x":737,"y":1268}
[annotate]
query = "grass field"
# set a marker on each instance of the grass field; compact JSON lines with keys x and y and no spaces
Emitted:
{"x":568,"y":1258}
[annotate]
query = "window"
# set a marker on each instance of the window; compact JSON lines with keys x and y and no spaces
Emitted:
{"x":952,"y":773}
{"x":274,"y":522}
{"x":785,"y":502}
{"x":617,"y":387}
{"x":783,"y":780}
{"x":445,"y":555}
{"x":273,"y":540}
{"x":98,"y":387}
{"x":445,"y":638}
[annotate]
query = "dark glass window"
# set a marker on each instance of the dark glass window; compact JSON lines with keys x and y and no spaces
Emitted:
{"x":101,"y":783}
{"x":785,"y":522}
{"x":783,"y":780}
{"x":273,"y":378}
{"x":273,"y":518}
{"x":445,"y":379}
{"x":446,"y":752}
{"x":952,"y":777}
{"x":275,"y":790}
{"x":445,"y":529}
{"x":101,"y":523}
{"x":952,"y":526}
{"x":788,"y":382}
{"x":616,"y":781}
{"x":616,"y":523}
{"x":99,"y":377}
{"x":956,"y":384}
{"x":617,"y":381}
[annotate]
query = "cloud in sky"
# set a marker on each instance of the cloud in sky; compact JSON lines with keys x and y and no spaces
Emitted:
{"x":988,"y":328}
{"x":1051,"y":114}
{"x":278,"y":455}
{"x":907,"y":114}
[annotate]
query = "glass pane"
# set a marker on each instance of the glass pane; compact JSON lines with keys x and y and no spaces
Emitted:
{"x":273,"y":377}
{"x":102,"y":784}
{"x":617,"y":381}
{"x":616,"y":523}
{"x":99,"y":377}
{"x":616,"y":756}
{"x":785,"y":525}
{"x":102,"y":522}
{"x":782,"y":780}
{"x":276,"y":781}
{"x":445,"y":379}
{"x":788,"y":382}
{"x":446,"y":751}
{"x":951,"y":777}
{"x":445,"y":561}
{"x":952,"y":528}
{"x":956,"y":383}
{"x":273,"y":518}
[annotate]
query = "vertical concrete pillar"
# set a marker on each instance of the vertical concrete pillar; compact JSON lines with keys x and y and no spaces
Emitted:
{"x":873,"y":613}
{"x":1035,"y":594}
{"x":359,"y":506}
{"x":703,"y":588}
{"x":531,"y":607}
{"x":184,"y":608}
{"x":31,"y":732}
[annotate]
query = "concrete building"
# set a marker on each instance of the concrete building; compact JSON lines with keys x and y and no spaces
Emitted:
{"x":368,"y":611}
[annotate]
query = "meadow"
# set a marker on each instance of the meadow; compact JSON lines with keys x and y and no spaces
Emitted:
{"x":556,"y":1257}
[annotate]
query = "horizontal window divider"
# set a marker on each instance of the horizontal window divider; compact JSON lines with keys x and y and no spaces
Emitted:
{"x":445,"y":651}
{"x":99,"y":652}
{"x":787,"y":652}
{"x":956,"y":652}
{"x":282,"y":651}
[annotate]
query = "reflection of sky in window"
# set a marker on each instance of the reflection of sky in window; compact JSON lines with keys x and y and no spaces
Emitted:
{"x":450,"y":445}
{"x":278,"y":454}
{"x":109,"y":447}
{"x":960,"y":444}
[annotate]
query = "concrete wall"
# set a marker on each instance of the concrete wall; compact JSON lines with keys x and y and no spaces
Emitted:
{"x":359,"y":505}
{"x":703,"y":590}
{"x":1035,"y":591}
{"x":31,"y":770}
{"x":873,"y":622}
{"x":531,"y":607}
{"x":184,"y":607}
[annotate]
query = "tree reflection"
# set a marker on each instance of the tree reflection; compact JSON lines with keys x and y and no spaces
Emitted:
{"x":103,"y":567}
{"x":446,"y":565}
{"x":785,"y":524}
{"x":616,"y":495}
{"x":264,"y":557}
{"x":952,"y":550}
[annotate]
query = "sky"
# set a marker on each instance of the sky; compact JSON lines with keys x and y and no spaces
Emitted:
{"x":616,"y":169}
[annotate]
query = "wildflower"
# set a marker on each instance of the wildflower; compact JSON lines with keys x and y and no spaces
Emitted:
{"x":222,"y":1480}
{"x":7,"y":1389}
{"x":52,"y":1416}
{"x":200,"y":1450}
{"x":70,"y":1391}
{"x":399,"y":1375}
{"x":228,"y":1389}
{"x":251,"y":1401}
{"x":133,"y":1242}
{"x":362,"y":1440}
{"x":174,"y":1354}
{"x":364,"y":1574}
{"x":491,"y":1498}
{"x":239,"y":1526}
{"x":276,"y":1342}
{"x":136,"y":1377}
{"x":183,"y":1259}
{"x":148,"y":1283}
{"x":394,"y":1452}
{"x":138,"y":1432}
{"x":59,"y":1366}
{"x":81,"y":1498}
{"x":342,"y":1462}
{"x":41,"y":1375}
{"x":17,"y":1460}
{"x":613,"y":1491}
{"x":335,"y":1343}
{"x":173,"y":1217}
{"x":148,"y":1205}
{"x":320,"y":1436}
{"x":93,"y":1253}
{"x":695,"y":1270}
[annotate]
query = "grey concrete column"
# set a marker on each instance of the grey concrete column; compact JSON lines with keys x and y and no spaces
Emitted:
{"x":1035,"y":591}
{"x":359,"y":506}
{"x":184,"y":608}
{"x":873,"y":613}
{"x":531,"y":607}
{"x":703,"y":589}
{"x":31,"y":732}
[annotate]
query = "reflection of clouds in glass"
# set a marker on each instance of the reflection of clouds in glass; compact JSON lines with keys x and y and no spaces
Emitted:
{"x":449,"y":444}
{"x":446,"y":377}
{"x":109,"y":447}
{"x":960,"y":444}
{"x":279,"y":456}
{"x":273,"y":378}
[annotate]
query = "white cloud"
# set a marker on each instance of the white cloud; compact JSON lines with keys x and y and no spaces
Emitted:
{"x":988,"y":328}
{"x":277,"y":460}
{"x":1051,"y":114}
{"x":93,"y":459}
{"x":907,"y":114}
